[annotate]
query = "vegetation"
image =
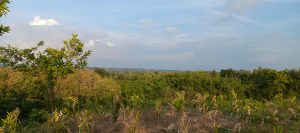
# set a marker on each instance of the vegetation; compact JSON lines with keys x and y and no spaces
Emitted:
{"x":51,"y":91}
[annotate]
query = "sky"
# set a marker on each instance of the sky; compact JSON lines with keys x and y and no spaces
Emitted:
{"x":165,"y":34}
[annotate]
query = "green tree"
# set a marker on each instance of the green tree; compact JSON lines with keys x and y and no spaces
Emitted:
{"x":268,"y":83}
{"x":54,"y":63}
{"x":3,"y":11}
{"x":102,"y":72}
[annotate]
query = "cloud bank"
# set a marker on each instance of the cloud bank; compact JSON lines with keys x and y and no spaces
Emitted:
{"x":37,"y":21}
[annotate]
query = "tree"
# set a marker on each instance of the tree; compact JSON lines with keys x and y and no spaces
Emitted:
{"x":102,"y":72}
{"x":268,"y":83}
{"x":54,"y":63}
{"x":3,"y":11}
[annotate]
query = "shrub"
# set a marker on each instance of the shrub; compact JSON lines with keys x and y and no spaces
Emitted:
{"x":10,"y":123}
{"x":85,"y":85}
{"x":178,"y":102}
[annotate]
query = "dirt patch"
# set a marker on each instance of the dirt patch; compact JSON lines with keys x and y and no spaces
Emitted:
{"x":148,"y":121}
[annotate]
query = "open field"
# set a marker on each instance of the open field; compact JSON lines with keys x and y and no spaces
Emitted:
{"x":263,"y":100}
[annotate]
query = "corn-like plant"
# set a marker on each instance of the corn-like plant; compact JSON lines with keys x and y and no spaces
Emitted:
{"x":279,"y":100}
{"x":215,"y":126}
{"x":183,"y":123}
{"x":130,"y":119}
{"x":137,"y":101}
{"x":158,"y":108}
{"x":10,"y":123}
{"x":200,"y":101}
{"x":234,"y":95}
{"x":292,"y":106}
{"x":116,"y":106}
{"x":271,"y":108}
{"x":214,"y":103}
{"x":178,"y":102}
{"x":74,"y":102}
{"x":83,"y":121}
{"x":277,"y":129}
{"x":57,"y":117}
{"x":83,"y":118}
{"x":56,"y":121}
{"x":237,"y":128}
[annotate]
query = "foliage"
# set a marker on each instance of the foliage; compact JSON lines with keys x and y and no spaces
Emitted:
{"x":10,"y":123}
{"x":159,"y":108}
{"x":102,"y":72}
{"x":53,"y":63}
{"x":88,"y":84}
{"x":201,"y":101}
{"x":183,"y":124}
{"x":3,"y":11}
{"x":83,"y":121}
{"x":177,"y":103}
{"x":131,"y":120}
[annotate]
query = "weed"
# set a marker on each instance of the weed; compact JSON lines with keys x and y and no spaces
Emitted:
{"x":10,"y":123}
{"x":200,"y":101}
{"x":130,"y":119}
{"x":83,"y":121}
{"x":158,"y":108}
{"x":237,"y":128}
{"x":183,"y":123}
{"x":178,"y":102}
{"x":277,"y":129}
{"x":56,"y":120}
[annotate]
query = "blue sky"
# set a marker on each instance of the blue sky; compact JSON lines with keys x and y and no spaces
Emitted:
{"x":165,"y":34}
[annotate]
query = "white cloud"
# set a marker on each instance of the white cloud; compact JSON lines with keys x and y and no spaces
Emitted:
{"x":110,"y":44}
{"x":37,"y":21}
{"x":171,"y":29}
{"x":91,"y":43}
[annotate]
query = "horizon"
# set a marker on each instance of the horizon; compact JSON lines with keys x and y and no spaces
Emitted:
{"x":167,"y":70}
{"x":183,"y":35}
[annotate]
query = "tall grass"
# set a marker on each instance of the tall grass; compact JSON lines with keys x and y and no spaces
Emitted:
{"x":10,"y":123}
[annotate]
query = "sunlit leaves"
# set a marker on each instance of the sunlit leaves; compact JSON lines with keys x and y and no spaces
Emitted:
{"x":3,"y":11}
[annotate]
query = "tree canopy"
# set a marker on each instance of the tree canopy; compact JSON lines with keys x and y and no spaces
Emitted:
{"x":3,"y":11}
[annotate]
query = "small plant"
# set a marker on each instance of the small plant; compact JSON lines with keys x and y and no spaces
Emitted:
{"x":215,"y":126}
{"x":158,"y":108}
{"x":131,"y":120}
{"x":178,"y":102}
{"x":56,"y":120}
{"x":83,"y":121}
{"x":237,"y":128}
{"x":10,"y":123}
{"x":214,"y":104}
{"x":272,"y":110}
{"x":183,"y":123}
{"x":200,"y":101}
{"x":116,"y":106}
{"x":82,"y":118}
{"x":136,"y":101}
{"x":72,"y":103}
{"x":277,"y":129}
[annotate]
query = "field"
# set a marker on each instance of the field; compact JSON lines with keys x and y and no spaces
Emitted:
{"x":262,"y":100}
